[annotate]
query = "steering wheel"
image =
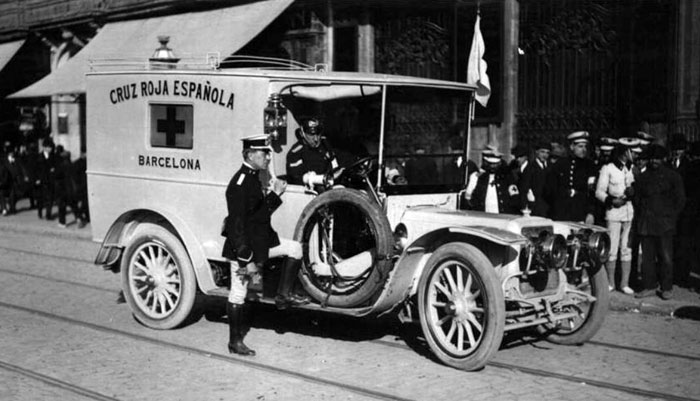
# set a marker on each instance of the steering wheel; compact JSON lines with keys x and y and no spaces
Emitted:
{"x":359,"y":168}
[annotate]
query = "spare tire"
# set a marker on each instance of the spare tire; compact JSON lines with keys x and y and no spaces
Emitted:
{"x":339,"y":225}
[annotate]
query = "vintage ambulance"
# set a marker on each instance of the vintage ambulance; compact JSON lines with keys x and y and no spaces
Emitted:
{"x":383,"y":233}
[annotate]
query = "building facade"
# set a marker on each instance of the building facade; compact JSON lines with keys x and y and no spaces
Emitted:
{"x":609,"y":67}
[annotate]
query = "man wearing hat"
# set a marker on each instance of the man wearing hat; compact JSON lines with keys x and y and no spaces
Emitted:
{"x":521,"y":155}
{"x":570,"y":179}
{"x":310,"y":153}
{"x":496,"y":190}
{"x":613,"y":190}
{"x":533,"y":180}
{"x":46,"y":168}
{"x":250,"y":239}
{"x":658,"y":197}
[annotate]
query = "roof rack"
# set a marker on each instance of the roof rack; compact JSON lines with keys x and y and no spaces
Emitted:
{"x":259,"y":62}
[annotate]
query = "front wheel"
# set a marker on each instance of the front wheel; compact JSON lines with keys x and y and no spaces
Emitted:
{"x":589,"y":315}
{"x":157,"y":277}
{"x":461,"y":306}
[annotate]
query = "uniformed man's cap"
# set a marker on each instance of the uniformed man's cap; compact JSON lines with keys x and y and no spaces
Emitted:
{"x":491,"y":155}
{"x":578,"y":137}
{"x":258,"y":142}
{"x":543,"y":145}
{"x":644,"y":138}
{"x":607,"y":143}
{"x":312,"y":127}
{"x":629,"y":142}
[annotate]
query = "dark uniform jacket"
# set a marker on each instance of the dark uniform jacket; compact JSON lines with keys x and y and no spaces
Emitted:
{"x":302,"y":158}
{"x":658,"y":199}
{"x":534,"y":178}
{"x":249,"y":234}
{"x":506,"y":191}
{"x":570,"y":198}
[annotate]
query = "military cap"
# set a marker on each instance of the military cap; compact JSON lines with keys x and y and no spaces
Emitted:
{"x":645,"y":138}
{"x":312,"y":126}
{"x":491,"y":155}
{"x":257,"y":142}
{"x":543,"y":145}
{"x":629,"y":142}
{"x":578,"y":136}
{"x":607,"y":143}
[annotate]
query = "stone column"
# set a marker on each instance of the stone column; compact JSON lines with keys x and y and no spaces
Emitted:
{"x":511,"y":28}
{"x":686,"y":93}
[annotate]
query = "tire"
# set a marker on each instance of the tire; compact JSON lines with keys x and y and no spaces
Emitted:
{"x":460,"y":295}
{"x":358,"y":225}
{"x":156,"y":266}
{"x":591,"y":316}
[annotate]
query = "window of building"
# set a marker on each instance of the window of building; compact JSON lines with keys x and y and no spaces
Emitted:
{"x":171,"y":126}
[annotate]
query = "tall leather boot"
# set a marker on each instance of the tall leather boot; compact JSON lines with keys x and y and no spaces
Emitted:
{"x":285,"y":298}
{"x":610,"y":268}
{"x":626,"y":267}
{"x":236,"y":330}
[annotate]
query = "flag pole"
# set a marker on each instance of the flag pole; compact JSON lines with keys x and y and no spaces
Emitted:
{"x":470,"y":118}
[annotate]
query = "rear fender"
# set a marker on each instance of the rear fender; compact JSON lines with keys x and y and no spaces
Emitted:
{"x":500,"y":246}
{"x":119,"y":233}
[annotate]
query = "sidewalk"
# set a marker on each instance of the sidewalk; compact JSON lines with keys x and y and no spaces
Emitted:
{"x":685,"y":303}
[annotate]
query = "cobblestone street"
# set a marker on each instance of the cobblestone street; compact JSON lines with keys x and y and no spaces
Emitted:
{"x":64,"y":336}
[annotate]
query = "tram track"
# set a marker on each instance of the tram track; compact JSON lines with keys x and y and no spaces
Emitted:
{"x":356,"y":389}
{"x":82,"y":391}
{"x":363,"y":391}
{"x":76,"y":283}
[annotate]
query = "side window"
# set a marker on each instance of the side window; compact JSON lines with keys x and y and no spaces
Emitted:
{"x":171,"y":126}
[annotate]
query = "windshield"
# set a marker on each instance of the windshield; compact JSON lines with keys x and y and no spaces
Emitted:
{"x":424,"y":140}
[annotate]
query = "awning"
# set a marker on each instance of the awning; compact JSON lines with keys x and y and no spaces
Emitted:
{"x":8,"y":50}
{"x":197,"y":33}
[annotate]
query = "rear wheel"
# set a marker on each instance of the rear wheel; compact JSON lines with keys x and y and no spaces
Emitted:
{"x":157,"y":277}
{"x":461,"y":306}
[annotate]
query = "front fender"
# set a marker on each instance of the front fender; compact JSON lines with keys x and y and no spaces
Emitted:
{"x":500,"y":246}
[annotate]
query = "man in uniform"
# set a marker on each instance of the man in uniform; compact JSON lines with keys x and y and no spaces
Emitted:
{"x":250,"y":239}
{"x":310,"y":153}
{"x":496,"y":190}
{"x":532,"y":183}
{"x":571,"y":180}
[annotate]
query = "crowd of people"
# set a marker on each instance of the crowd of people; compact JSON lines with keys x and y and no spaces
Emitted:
{"x":647,"y":196}
{"x":47,"y":177}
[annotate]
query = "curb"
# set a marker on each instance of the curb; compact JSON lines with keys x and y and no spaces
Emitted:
{"x":663,"y":308}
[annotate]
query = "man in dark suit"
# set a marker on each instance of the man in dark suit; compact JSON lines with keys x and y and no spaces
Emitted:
{"x":571,"y":181}
{"x":251,"y":240}
{"x":532,"y":183}
{"x":658,"y":198}
{"x":46,"y":169}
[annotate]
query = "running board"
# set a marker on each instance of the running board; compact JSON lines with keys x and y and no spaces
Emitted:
{"x":313,"y":306}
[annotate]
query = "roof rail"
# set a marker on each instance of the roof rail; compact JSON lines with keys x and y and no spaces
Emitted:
{"x":244,"y":61}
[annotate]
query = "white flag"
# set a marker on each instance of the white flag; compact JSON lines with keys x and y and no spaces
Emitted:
{"x":476,"y":71}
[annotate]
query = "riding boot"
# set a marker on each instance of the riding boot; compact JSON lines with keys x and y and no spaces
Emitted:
{"x":236,"y":330}
{"x":610,"y":268}
{"x":285,"y":298}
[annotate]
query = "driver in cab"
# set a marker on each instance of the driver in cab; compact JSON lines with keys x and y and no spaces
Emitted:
{"x":310,"y":155}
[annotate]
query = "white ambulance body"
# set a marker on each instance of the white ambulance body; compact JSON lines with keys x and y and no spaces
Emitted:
{"x":164,"y":143}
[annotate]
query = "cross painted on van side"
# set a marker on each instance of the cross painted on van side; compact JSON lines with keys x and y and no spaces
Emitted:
{"x":171,"y":126}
